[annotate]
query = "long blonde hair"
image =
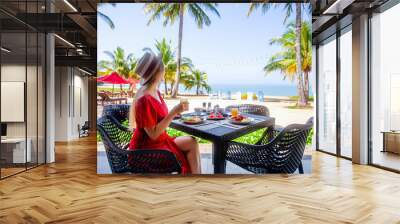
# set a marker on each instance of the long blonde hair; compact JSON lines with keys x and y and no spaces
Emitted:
{"x":147,"y":84}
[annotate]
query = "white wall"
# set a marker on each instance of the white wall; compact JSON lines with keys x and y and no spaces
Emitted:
{"x":313,"y":82}
{"x":71,"y":102}
{"x":12,"y":73}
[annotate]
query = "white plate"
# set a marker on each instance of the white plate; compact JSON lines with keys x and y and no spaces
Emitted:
{"x":191,"y":122}
{"x":247,"y":121}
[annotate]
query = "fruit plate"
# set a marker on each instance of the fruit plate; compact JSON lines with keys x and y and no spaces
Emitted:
{"x":216,"y":117}
{"x":245,"y":120}
{"x":192,"y":119}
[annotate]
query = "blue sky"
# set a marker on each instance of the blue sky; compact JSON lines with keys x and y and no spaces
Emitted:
{"x":232,"y":50}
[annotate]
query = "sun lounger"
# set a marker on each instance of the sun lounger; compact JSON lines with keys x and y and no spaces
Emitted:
{"x":105,"y":98}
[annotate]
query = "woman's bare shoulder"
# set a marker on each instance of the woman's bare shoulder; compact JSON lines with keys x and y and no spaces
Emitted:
{"x":140,"y":94}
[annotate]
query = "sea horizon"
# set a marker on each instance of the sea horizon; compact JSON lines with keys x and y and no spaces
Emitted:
{"x":224,"y":89}
{"x":266,"y":89}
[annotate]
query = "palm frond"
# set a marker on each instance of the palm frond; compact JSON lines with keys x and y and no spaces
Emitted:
{"x":289,"y":10}
{"x":265,"y":6}
{"x":106,"y":19}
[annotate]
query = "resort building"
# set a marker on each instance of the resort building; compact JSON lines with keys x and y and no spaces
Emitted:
{"x":48,"y":75}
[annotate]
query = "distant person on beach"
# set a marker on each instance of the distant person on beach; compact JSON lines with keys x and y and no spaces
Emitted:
{"x":150,"y":117}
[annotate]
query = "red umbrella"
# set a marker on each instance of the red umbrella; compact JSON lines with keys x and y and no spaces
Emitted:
{"x":113,"y":78}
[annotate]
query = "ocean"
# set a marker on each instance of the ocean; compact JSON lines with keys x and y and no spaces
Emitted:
{"x":267,"y":90}
{"x":223,"y":89}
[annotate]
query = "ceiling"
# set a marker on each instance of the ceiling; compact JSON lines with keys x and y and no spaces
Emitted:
{"x":73,"y":21}
{"x":328,"y":15}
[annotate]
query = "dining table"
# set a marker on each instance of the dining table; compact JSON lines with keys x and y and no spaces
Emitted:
{"x":220,"y":132}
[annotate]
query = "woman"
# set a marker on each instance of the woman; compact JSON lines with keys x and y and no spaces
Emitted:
{"x":150,"y":116}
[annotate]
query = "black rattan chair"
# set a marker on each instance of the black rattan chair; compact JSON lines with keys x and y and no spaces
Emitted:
{"x":119,"y":111}
{"x":84,"y":129}
{"x":253,"y":109}
{"x":250,"y":109}
{"x":281,"y":155}
{"x":116,"y":138}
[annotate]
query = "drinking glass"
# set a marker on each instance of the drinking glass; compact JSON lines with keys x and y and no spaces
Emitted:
{"x":234,"y":111}
{"x":185,"y":104}
{"x":204,"y":106}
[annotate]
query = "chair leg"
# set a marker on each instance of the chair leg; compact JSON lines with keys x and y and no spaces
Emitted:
{"x":301,"y":170}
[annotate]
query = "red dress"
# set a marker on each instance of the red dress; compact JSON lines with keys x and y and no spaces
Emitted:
{"x":148,"y":112}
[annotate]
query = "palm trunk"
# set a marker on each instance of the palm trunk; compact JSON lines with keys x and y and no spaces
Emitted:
{"x":306,"y":86}
{"x":178,"y":69}
{"x":170,"y":89}
{"x":302,"y":100}
{"x":197,"y":90}
{"x":165,"y":87}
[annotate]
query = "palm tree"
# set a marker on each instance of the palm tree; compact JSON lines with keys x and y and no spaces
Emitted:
{"x":173,"y":11}
{"x":164,"y":49}
{"x":196,"y":79}
{"x":285,"y":61}
{"x":289,"y":10}
{"x":306,"y":54}
{"x":123,"y":65}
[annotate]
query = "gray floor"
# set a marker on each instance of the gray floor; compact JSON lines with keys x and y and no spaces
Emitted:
{"x":206,"y":164}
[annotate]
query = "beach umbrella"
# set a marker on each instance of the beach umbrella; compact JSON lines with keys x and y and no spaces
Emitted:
{"x":113,"y":78}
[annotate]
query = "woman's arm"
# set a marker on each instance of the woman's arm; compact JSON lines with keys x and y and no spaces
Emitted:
{"x":159,"y":128}
{"x":132,"y":122}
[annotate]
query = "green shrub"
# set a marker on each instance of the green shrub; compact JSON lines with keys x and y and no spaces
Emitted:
{"x":310,"y":98}
{"x":175,"y":133}
{"x":310,"y":137}
{"x":98,"y":137}
{"x":251,"y":138}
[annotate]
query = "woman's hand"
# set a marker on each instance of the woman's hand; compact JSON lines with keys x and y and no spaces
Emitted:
{"x":156,"y":131}
{"x":178,"y":109}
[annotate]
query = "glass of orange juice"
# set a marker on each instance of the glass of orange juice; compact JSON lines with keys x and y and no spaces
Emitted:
{"x":234,"y":111}
{"x":185,"y":104}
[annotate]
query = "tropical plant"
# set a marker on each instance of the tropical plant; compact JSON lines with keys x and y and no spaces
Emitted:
{"x":167,"y":54}
{"x":306,"y":54}
{"x":288,"y":7}
{"x":106,"y":18}
{"x":196,"y":79}
{"x":164,"y":49}
{"x":173,"y":11}
{"x":123,"y":65}
{"x":285,"y":61}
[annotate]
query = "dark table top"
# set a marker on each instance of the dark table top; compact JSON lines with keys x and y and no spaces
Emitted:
{"x":223,"y":129}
